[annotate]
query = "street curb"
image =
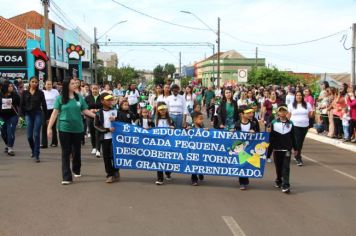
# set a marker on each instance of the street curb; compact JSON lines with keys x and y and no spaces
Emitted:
{"x":334,"y":142}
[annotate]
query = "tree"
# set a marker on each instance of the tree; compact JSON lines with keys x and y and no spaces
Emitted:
{"x":124,"y":75}
{"x":185,"y":81}
{"x":159,"y":75}
{"x":169,"y":69}
{"x":271,"y":76}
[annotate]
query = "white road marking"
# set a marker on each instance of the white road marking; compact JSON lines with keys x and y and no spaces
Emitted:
{"x":233,"y":226}
{"x":330,"y":168}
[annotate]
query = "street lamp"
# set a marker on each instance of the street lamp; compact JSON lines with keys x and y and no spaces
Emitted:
{"x":96,"y":46}
{"x":118,"y":23}
{"x":217,"y":41}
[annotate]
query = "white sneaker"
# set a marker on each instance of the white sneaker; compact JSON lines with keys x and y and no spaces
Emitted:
{"x":269,"y":160}
{"x":66,"y":182}
{"x":93,"y":151}
{"x":77,"y":176}
{"x":97,"y":154}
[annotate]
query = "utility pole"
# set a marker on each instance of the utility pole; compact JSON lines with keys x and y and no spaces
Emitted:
{"x":213,"y":62}
{"x":218,"y":41}
{"x":95,"y":50}
{"x":45,"y":4}
{"x":353,"y":82}
{"x":180,"y":64}
{"x":256,"y":65}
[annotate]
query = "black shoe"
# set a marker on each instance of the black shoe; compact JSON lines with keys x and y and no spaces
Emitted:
{"x":299,"y":162}
{"x":43,"y":147}
{"x":37,"y":161}
{"x":11,"y":153}
{"x":201,"y":177}
{"x":6,"y":149}
{"x":278,"y":185}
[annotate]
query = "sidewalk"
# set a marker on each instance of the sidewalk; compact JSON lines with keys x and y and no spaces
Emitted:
{"x":312,"y":134}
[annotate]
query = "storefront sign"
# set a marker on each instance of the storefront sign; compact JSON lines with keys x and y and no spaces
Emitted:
{"x":13,"y":58}
{"x":13,"y":74}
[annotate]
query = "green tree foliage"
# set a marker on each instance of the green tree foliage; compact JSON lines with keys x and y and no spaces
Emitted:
{"x":124,"y":75}
{"x":185,"y":81}
{"x":159,"y":75}
{"x":268,"y":76}
{"x":169,"y":69}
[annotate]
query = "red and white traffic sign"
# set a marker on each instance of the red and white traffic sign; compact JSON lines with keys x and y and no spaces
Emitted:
{"x":40,"y":64}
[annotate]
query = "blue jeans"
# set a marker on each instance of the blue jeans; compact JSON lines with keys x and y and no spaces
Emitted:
{"x":346,"y":129}
{"x":8,"y":130}
{"x":34,"y":123}
{"x":178,"y":120}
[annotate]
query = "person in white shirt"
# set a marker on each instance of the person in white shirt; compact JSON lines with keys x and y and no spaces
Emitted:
{"x":118,"y":91}
{"x":189,"y":98}
{"x":51,"y":95}
{"x":166,"y":93}
{"x":290,"y":97}
{"x":132,"y":96}
{"x":177,"y":108}
{"x":153,"y":100}
{"x":299,"y":113}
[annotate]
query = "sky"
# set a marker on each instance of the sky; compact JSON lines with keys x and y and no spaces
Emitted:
{"x":245,"y":25}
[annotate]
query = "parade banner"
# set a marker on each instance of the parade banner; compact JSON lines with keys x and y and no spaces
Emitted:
{"x":188,"y":151}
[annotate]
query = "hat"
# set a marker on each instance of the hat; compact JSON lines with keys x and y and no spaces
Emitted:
{"x":108,"y":97}
{"x":282,"y":107}
{"x":161,"y":107}
{"x":246,"y":109}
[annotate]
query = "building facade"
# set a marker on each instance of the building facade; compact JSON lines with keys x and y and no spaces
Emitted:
{"x":110,"y":59}
{"x":230,"y":63}
{"x":60,"y":38}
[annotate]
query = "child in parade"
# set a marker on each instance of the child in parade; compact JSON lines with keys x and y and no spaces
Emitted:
{"x":103,"y":125}
{"x":282,"y":142}
{"x":164,"y":121}
{"x":245,"y":124}
{"x":144,"y":120}
{"x":214,"y":108}
{"x":198,"y":122}
{"x":124,"y":113}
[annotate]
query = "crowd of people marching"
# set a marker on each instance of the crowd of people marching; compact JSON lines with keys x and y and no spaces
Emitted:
{"x":72,"y":111}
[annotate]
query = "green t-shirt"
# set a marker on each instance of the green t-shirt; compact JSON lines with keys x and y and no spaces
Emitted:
{"x":208,"y":96}
{"x":229,"y":110}
{"x":69,"y":117}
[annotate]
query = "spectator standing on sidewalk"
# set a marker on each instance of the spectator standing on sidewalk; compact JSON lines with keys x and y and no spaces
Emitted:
{"x":351,"y":102}
{"x":338,"y":104}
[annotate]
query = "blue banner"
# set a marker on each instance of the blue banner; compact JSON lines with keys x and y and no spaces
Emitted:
{"x":199,"y":151}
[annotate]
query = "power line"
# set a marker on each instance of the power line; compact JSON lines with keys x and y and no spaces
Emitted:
{"x":66,"y":20}
{"x":158,"y":19}
{"x":228,"y":34}
{"x":285,"y":44}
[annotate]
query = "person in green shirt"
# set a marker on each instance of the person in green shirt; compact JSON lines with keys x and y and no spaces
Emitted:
{"x":68,"y":108}
{"x":209,"y":94}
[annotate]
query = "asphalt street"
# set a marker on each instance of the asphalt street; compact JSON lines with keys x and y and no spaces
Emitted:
{"x":33,"y":202}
